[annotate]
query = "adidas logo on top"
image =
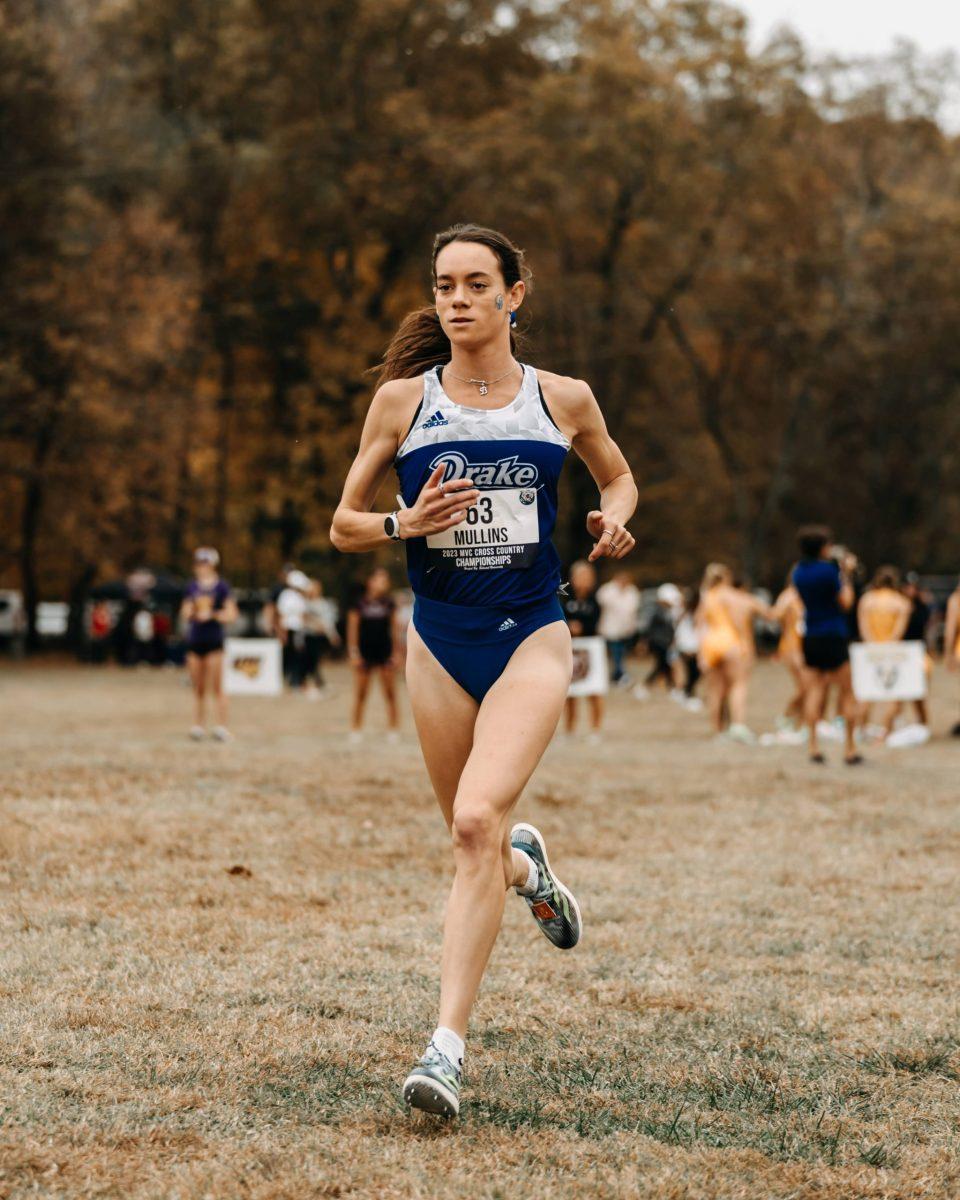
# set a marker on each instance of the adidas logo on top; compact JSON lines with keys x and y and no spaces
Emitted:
{"x":509,"y":623}
{"x":437,"y":419}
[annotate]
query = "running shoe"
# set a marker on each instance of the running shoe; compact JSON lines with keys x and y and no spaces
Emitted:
{"x":434,"y":1084}
{"x":554,"y":907}
{"x":220,"y":733}
{"x":197,"y":733}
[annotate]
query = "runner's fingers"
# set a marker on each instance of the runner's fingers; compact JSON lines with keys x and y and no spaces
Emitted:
{"x":436,"y":478}
{"x":614,"y":542}
{"x":445,"y":505}
{"x":452,"y":493}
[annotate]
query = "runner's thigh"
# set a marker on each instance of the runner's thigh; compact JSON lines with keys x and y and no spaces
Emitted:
{"x":517,"y":719}
{"x":444,"y":715}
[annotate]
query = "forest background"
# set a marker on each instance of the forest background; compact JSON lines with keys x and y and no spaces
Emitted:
{"x":213,"y":213}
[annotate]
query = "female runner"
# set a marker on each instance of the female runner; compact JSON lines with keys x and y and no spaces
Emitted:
{"x":882,"y":616}
{"x":478,"y":441}
{"x":788,"y":610}
{"x":725,"y":617}
{"x":207,"y":607}
{"x":951,"y":641}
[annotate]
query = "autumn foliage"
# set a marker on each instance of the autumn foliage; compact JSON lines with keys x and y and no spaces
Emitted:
{"x":214,"y":215}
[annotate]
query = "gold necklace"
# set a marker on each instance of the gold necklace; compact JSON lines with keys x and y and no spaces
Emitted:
{"x":484,"y":384}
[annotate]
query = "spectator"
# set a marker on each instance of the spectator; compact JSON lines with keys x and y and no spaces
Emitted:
{"x":291,"y":622}
{"x":660,"y":633}
{"x":686,"y":642}
{"x":951,"y":641}
{"x":101,"y":628}
{"x":823,"y":579}
{"x":207,"y":608}
{"x":320,"y":623}
{"x":619,"y":601}
{"x":142,"y":634}
{"x":372,"y":646}
{"x":582,"y":612}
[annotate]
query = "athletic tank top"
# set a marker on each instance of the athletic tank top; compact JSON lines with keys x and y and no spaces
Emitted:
{"x":502,"y":554}
{"x":880,"y":618}
{"x":719,"y":636}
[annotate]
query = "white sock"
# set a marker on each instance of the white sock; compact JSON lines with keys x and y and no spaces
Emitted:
{"x":450,"y":1044}
{"x":533,"y":878}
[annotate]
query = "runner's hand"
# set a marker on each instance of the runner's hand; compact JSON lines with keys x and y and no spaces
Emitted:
{"x":611,"y":539}
{"x":438,"y":507}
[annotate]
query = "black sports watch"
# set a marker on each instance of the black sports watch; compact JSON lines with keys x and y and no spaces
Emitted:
{"x":391,"y":526}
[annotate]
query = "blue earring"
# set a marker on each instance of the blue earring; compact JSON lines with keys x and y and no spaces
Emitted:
{"x":513,"y":317}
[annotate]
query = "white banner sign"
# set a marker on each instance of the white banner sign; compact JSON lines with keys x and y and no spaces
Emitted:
{"x":251,"y":667}
{"x":590,"y":674}
{"x":888,"y":670}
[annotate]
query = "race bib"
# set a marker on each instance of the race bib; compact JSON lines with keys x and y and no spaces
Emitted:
{"x":501,"y":530}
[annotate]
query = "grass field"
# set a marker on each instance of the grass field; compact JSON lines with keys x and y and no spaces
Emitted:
{"x":218,"y":962}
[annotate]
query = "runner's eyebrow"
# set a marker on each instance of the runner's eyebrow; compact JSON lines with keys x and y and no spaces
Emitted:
{"x":472,"y":275}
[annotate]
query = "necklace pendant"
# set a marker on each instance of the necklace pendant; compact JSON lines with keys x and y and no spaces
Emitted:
{"x":483,"y":387}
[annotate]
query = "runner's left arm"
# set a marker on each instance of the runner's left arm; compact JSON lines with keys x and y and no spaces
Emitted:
{"x":610,"y":470}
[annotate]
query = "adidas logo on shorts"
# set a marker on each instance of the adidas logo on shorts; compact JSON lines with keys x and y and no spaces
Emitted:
{"x":437,"y":419}
{"x":509,"y":623}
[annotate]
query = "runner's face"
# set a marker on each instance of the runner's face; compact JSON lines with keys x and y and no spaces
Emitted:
{"x":469,"y":280}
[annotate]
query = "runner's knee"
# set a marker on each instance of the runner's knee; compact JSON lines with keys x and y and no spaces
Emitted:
{"x":476,"y":829}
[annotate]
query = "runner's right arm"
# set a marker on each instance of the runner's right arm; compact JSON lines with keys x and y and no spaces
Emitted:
{"x":355,"y":528}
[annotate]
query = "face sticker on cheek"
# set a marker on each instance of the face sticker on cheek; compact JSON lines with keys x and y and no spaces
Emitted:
{"x":499,"y":303}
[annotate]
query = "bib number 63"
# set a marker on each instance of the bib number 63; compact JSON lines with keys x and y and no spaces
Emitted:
{"x":481,"y":513}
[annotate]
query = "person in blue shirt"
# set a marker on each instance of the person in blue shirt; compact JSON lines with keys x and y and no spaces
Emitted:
{"x":823,"y":580}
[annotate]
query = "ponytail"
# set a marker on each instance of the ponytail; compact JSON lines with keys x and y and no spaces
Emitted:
{"x":418,"y":345}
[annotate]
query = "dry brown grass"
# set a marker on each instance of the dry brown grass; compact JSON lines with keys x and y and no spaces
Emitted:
{"x":764,"y":1004}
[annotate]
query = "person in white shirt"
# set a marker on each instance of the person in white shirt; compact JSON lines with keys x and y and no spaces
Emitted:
{"x":619,"y":601}
{"x":320,"y":625}
{"x":291,"y":623}
{"x":686,"y":641}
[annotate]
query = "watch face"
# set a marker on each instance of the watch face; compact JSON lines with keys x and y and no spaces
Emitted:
{"x":390,"y":526}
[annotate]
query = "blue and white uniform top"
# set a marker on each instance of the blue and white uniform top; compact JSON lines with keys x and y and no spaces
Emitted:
{"x":501,"y":555}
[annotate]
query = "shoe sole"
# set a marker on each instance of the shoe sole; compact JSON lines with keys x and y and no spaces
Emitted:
{"x":429,"y":1095}
{"x":562,"y":887}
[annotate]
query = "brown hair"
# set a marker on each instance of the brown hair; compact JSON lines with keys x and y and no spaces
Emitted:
{"x":715,"y":573}
{"x":420,"y":342}
{"x":886,"y":577}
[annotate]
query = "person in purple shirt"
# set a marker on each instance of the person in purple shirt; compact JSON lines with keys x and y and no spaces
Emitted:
{"x":207,"y":607}
{"x":823,"y":579}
